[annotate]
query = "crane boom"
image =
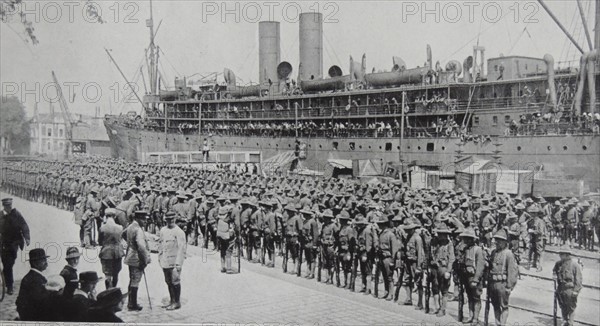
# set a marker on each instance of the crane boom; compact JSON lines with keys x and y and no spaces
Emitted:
{"x":64,"y":108}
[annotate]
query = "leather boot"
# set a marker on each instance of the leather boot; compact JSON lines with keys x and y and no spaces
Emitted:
{"x":408,"y":301}
{"x":470,"y":320}
{"x":346,"y":284}
{"x":176,"y":293}
{"x":132,"y":302}
{"x":368,"y":286}
{"x":420,"y":301}
{"x":171,"y":296}
{"x":337,"y":279}
{"x":313,"y":267}
{"x":476,"y":310}
{"x":388,"y":294}
{"x":442,"y":311}
{"x":327,"y":276}
{"x":223,"y":269}
{"x":308,"y":270}
{"x":228,"y":263}
{"x":436,"y":308}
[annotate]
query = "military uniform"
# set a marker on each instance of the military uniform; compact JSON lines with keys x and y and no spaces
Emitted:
{"x":569,"y":282}
{"x":502,"y":279}
{"x":414,"y":260}
{"x":137,"y":258}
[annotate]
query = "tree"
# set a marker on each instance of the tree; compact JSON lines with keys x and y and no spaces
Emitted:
{"x":14,"y":126}
{"x":7,"y":7}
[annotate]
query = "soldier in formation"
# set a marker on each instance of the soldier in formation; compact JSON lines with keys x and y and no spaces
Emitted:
{"x":423,"y":240}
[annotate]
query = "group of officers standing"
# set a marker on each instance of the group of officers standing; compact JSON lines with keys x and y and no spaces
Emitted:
{"x":422,"y":240}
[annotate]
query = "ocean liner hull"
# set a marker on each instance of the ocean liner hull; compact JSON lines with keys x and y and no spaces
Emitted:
{"x":566,"y":155}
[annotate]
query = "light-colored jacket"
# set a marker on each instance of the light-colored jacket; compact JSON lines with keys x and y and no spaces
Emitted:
{"x":172,"y":246}
{"x":138,"y":252}
{"x":111,"y":240}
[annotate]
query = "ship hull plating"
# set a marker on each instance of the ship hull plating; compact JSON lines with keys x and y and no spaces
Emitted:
{"x":561,"y":155}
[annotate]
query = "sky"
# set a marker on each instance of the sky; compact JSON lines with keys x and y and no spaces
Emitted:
{"x":200,"y":37}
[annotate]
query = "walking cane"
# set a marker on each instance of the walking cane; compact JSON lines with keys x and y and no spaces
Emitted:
{"x":147,"y":291}
{"x":555,"y":303}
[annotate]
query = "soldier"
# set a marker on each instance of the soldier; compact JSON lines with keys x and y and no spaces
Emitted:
{"x":14,"y":235}
{"x":111,"y":251}
{"x":585,"y":226}
{"x":226,"y":235}
{"x":365,"y":253}
{"x":502,"y":277}
{"x":536,"y":230}
{"x":171,"y":254}
{"x":487,"y":226}
{"x":329,"y":234}
{"x":471,"y":274}
{"x":413,"y":260}
{"x":388,"y":246}
{"x":310,"y":240}
{"x":442,"y":261}
{"x":92,"y":211}
{"x":137,"y":256}
{"x":292,"y":222}
{"x":572,"y":218}
{"x":269,"y":232}
{"x":514,"y":235}
{"x":567,"y":273}
{"x":346,"y":246}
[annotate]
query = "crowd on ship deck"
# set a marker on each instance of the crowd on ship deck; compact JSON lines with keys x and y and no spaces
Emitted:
{"x":354,"y":233}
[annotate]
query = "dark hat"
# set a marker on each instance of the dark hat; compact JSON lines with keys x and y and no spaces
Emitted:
{"x":141,"y":214}
{"x":89,"y":276}
{"x":109,"y":298}
{"x":7,"y":201}
{"x":72,"y":252}
{"x":37,"y":254}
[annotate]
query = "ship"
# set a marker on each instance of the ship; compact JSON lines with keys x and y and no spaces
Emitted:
{"x":519,"y":111}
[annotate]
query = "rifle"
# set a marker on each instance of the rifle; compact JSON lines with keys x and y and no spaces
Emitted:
{"x":352,"y":248}
{"x":427,"y":289}
{"x":319,"y":262}
{"x":487,"y":304}
{"x":239,"y":243}
{"x":262,"y":248}
{"x":400,"y":277}
{"x":461,"y":299}
{"x":555,"y":304}
{"x":300,"y":247}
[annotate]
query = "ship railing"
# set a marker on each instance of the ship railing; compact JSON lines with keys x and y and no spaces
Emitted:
{"x":394,"y":132}
{"x":416,"y":107}
{"x":555,"y":128}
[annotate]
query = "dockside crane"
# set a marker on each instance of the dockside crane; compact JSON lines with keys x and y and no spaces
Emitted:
{"x":67,"y":117}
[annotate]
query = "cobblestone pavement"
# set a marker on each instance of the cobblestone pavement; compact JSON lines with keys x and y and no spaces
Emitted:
{"x":258,"y":295}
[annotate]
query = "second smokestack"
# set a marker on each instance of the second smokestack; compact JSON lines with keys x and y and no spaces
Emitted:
{"x":268,"y":51}
{"x":311,"y":46}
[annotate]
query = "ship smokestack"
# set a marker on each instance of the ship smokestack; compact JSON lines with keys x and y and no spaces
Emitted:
{"x":268,"y":52}
{"x":551,"y":85}
{"x":311,"y":46}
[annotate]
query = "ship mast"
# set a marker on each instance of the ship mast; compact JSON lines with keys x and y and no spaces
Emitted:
{"x":597,"y":26}
{"x":153,"y":57}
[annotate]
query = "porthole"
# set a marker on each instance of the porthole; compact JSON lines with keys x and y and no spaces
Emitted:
{"x":256,"y":144}
{"x":369,"y":146}
{"x":565,"y":148}
{"x":398,"y":147}
{"x":549,"y":148}
{"x":320,"y":146}
{"x":242,"y":143}
{"x":519,"y":148}
{"x":360,"y":146}
{"x":408,"y":147}
{"x":379,"y":147}
{"x":443,"y":148}
{"x":584,"y":148}
{"x":225,"y":143}
{"x":276,"y":145}
{"x":187,"y":138}
{"x":289,"y":145}
{"x":234,"y":143}
{"x":419,"y":147}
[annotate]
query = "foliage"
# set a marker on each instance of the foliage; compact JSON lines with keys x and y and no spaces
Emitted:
{"x":14,"y":126}
{"x":7,"y":7}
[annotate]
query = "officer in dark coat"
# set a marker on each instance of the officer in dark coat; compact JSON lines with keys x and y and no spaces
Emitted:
{"x":14,"y":235}
{"x":568,"y":276}
{"x":33,"y":296}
